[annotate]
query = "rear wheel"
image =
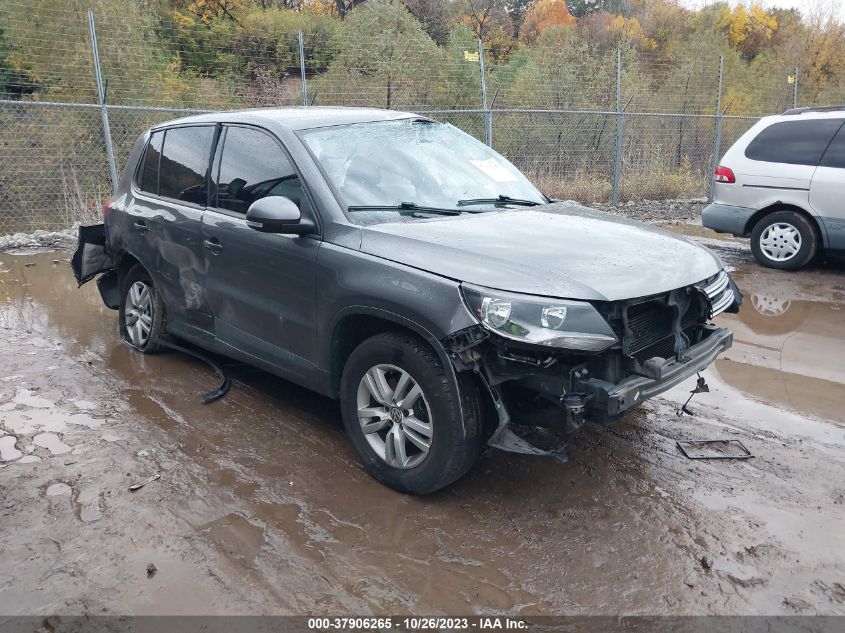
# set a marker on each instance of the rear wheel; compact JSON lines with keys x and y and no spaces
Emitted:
{"x":141,"y":315}
{"x":412,"y":429}
{"x":784,"y":239}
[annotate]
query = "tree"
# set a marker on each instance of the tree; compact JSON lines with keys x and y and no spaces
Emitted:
{"x":384,"y":58}
{"x":434,"y":16}
{"x":748,"y":30}
{"x":491,"y":22}
{"x":541,"y":15}
{"x":580,"y":8}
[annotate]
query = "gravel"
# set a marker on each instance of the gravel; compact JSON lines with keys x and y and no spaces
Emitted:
{"x":38,"y":239}
{"x":657,"y":211}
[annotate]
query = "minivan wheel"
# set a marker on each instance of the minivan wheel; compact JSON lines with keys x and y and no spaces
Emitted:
{"x":404,"y":415}
{"x":785,"y":239}
{"x":141,"y":315}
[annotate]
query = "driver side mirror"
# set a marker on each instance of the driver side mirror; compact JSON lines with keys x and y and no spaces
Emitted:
{"x":277,"y":214}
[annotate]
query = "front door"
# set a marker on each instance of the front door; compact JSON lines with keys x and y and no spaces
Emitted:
{"x":827,"y":191}
{"x":261,"y":286}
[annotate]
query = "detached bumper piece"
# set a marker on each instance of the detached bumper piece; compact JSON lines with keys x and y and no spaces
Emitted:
{"x":91,"y":258}
{"x":609,"y":401}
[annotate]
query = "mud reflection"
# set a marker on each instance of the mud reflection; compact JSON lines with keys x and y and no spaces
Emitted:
{"x":788,"y":351}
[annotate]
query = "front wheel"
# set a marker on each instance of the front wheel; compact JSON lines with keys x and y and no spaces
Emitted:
{"x":411,"y":427}
{"x":785,"y":240}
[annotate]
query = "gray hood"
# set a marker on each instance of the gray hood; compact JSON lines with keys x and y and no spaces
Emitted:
{"x":557,"y":250}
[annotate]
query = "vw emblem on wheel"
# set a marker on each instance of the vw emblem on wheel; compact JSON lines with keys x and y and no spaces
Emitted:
{"x":396,"y":415}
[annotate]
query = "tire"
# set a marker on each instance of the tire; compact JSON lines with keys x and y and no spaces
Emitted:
{"x":785,"y":240}
{"x":434,"y":417}
{"x":137,"y":308}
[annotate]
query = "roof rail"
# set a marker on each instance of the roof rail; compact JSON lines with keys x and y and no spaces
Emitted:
{"x":831,"y":108}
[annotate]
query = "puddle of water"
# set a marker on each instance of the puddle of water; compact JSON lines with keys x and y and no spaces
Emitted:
{"x":788,"y":352}
{"x":58,"y":489}
{"x":28,"y":398}
{"x":8,"y":450}
{"x":52,"y":443}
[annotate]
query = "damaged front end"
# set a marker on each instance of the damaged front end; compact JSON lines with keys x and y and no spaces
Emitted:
{"x":552,"y":363}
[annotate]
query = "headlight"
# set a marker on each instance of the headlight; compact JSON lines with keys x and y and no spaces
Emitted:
{"x":574,"y":325}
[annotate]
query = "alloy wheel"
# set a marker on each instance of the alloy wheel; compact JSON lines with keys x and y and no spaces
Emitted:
{"x":780,"y":242}
{"x":394,"y":416}
{"x":139,"y":313}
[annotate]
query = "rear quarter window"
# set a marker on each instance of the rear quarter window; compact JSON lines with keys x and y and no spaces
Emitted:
{"x":148,"y":174}
{"x":793,"y":142}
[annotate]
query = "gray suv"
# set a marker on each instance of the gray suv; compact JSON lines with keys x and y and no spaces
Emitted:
{"x":401,"y":266}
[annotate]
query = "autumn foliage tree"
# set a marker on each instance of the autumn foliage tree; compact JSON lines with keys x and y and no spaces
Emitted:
{"x":541,"y":15}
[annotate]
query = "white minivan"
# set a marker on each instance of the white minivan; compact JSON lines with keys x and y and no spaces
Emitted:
{"x":783,"y":183}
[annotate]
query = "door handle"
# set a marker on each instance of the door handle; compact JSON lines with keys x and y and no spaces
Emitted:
{"x":140,"y":226}
{"x":213,"y":245}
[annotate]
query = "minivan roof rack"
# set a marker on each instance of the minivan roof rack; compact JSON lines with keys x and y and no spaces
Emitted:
{"x":831,"y":108}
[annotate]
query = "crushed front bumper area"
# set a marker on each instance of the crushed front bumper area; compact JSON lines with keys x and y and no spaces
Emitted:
{"x":607,"y":401}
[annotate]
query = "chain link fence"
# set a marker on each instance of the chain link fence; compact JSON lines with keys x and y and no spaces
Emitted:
{"x":585,"y":125}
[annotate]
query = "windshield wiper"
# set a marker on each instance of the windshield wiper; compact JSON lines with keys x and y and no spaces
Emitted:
{"x":499,"y":200}
{"x":405,"y":206}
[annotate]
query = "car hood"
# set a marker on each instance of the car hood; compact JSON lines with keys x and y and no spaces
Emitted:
{"x":558,"y":250}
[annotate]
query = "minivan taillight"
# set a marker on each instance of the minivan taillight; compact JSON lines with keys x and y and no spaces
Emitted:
{"x":725,"y":174}
{"x":106,"y":208}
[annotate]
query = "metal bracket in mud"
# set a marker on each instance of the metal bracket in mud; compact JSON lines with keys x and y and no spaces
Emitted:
{"x":225,"y":381}
{"x":701,"y":386}
{"x":504,"y":438}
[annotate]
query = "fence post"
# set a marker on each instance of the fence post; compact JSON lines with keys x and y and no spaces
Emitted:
{"x":795,"y":89}
{"x":488,"y":119}
{"x":101,"y":97}
{"x":617,"y":157}
{"x":717,"y":133}
{"x":302,"y":71}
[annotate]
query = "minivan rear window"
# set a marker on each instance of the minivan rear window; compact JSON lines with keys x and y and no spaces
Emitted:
{"x":835,"y":154}
{"x":184,"y":163}
{"x":793,"y":142}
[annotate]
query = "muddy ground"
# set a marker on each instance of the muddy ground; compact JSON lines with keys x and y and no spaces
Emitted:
{"x":262,"y":508}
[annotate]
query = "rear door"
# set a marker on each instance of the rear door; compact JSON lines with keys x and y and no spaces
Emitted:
{"x":165,"y":218}
{"x":827,"y":191}
{"x":261,"y":286}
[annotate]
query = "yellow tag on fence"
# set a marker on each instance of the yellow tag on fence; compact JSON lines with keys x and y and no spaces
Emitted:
{"x":470,"y":56}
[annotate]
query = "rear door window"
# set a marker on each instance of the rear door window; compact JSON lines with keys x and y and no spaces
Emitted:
{"x":252,"y":165}
{"x":793,"y":142}
{"x":835,"y":154}
{"x":148,"y":176}
{"x":183,"y":168}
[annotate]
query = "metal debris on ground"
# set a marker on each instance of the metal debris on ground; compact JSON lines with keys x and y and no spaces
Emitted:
{"x":143,"y":482}
{"x":701,"y":386}
{"x":714,"y":449}
{"x":225,"y":382}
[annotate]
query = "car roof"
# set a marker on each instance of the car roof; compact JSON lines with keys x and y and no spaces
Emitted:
{"x":295,"y":117}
